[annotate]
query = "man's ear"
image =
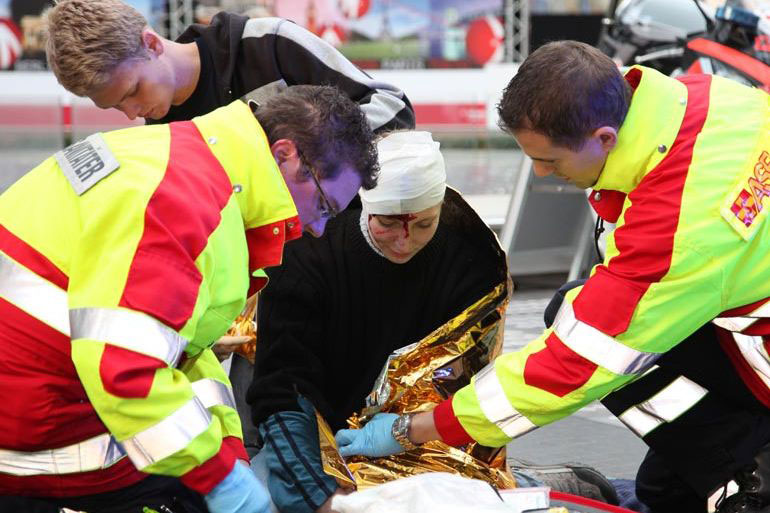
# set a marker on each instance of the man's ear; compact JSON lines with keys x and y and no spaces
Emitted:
{"x":284,"y":152}
{"x":607,"y":136}
{"x":152,"y":42}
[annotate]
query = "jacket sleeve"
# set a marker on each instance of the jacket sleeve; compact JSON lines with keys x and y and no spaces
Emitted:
{"x":136,"y":328}
{"x":303,"y":58}
{"x":297,"y":481}
{"x":654,"y":290}
{"x":212,"y":386}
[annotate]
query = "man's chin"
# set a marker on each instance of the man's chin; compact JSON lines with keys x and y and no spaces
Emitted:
{"x":157,"y":113}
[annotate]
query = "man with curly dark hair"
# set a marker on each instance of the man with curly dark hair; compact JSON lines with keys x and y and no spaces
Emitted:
{"x":145,"y":242}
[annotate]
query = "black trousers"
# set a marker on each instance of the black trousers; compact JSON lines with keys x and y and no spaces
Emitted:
{"x":241,"y":374}
{"x":705,"y":446}
{"x":160,"y":493}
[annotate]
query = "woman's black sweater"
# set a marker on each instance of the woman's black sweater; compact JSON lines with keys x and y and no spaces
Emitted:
{"x":334,"y":310}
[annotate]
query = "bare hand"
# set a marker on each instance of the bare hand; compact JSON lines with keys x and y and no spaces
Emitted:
{"x":225,"y":346}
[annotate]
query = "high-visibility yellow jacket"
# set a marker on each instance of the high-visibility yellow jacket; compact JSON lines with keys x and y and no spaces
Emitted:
{"x":689,"y":180}
{"x":113,"y":286}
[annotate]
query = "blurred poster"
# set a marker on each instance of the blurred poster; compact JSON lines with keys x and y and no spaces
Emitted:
{"x":390,"y":33}
{"x":372,"y":33}
{"x":423,"y":33}
{"x":22,"y":44}
{"x":427,"y":33}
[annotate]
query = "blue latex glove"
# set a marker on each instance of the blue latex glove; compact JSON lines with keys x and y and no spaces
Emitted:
{"x":239,"y":492}
{"x":373,"y":440}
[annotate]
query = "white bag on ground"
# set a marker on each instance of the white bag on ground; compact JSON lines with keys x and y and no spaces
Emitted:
{"x":436,"y":491}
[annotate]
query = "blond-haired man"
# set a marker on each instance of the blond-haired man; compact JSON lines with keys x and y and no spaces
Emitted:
{"x":104,"y":49}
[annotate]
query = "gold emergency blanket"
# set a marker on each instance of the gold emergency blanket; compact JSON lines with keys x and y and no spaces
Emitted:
{"x":417,"y":378}
{"x":244,"y":325}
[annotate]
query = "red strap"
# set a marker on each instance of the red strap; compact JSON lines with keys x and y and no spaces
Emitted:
{"x":574,"y":499}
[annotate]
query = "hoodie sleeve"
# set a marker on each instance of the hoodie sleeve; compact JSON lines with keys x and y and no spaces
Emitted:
{"x":297,"y":56}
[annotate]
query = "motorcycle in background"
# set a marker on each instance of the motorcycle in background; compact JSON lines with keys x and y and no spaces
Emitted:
{"x":688,"y":36}
{"x":682,"y":37}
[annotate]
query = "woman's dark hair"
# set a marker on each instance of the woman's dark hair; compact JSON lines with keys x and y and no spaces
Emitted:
{"x":328,"y":128}
{"x":565,"y":90}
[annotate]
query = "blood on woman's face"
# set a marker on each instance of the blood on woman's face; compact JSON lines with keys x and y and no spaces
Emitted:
{"x":400,"y":237}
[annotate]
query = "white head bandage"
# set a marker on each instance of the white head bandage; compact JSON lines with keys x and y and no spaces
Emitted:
{"x":412,"y":175}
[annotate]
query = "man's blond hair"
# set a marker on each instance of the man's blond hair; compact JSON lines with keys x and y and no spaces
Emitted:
{"x":88,"y":39}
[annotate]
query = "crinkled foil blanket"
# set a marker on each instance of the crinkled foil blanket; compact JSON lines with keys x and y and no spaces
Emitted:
{"x":417,"y":378}
{"x":245,"y":325}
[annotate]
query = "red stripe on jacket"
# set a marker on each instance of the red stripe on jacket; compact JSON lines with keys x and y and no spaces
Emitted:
{"x":646,"y":241}
{"x":31,"y":258}
{"x":181,"y":215}
{"x":208,"y":475}
{"x":43,"y":392}
{"x":744,"y":310}
{"x":449,"y":428}
{"x":47,"y":408}
{"x":557,"y":368}
{"x":183,"y":212}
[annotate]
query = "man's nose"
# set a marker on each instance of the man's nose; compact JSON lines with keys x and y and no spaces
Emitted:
{"x":541,"y":169}
{"x":131,"y":110}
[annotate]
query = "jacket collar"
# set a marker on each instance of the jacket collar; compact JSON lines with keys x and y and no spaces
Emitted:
{"x":240,"y":145}
{"x":648,"y":131}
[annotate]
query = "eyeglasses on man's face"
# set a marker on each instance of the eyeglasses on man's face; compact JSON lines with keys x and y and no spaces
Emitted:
{"x":325,"y":208}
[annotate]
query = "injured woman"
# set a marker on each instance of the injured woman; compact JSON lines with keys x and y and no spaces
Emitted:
{"x":392,"y":310}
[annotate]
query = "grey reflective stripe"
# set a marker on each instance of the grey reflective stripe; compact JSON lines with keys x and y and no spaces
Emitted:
{"x":734,"y":323}
{"x":35,"y":295}
{"x":128,"y":329}
{"x":754,"y":352}
{"x":168,"y":436}
{"x":96,"y":453}
{"x":317,"y":47}
{"x":382,"y":106}
{"x":386,"y":101}
{"x":668,"y":404}
{"x":598,"y":347}
{"x":213,"y":393}
{"x":263,"y":92}
{"x":742,"y":322}
{"x":495,"y":405}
